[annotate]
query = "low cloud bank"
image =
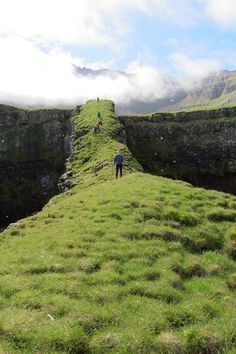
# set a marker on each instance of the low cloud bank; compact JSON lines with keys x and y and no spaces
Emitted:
{"x":32,"y":76}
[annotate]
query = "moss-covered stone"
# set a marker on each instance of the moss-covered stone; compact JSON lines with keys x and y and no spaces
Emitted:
{"x":33,"y":148}
{"x":199,"y":147}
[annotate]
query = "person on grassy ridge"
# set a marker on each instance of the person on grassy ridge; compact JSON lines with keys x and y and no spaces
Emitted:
{"x":97,"y":127}
{"x":118,"y":162}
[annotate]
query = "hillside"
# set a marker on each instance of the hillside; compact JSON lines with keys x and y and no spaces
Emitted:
{"x":216,"y":90}
{"x":139,"y":265}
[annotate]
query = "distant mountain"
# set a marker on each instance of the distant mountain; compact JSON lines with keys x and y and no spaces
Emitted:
{"x":216,"y":90}
{"x":94,"y":73}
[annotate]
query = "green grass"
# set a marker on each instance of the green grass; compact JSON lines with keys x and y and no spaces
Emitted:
{"x":190,"y":104}
{"x":92,"y":155}
{"x":143,"y":264}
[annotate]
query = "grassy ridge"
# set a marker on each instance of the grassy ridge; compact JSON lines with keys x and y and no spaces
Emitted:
{"x":92,"y":154}
{"x":139,"y":265}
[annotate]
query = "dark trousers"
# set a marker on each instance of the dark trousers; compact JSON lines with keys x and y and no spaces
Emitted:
{"x":118,"y":168}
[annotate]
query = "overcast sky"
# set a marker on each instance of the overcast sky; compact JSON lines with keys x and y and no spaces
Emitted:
{"x":41,"y":39}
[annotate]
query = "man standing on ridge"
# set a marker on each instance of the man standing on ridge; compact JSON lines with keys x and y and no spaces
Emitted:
{"x":118,"y":161}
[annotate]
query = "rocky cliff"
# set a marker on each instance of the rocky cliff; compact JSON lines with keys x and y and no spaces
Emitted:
{"x":199,"y":147}
{"x":33,"y":149}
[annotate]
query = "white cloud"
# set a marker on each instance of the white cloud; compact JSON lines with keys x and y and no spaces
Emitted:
{"x":100,"y":22}
{"x":35,"y":67}
{"x":27,"y":71}
{"x":61,"y":21}
{"x":222,"y":11}
{"x":147,"y":84}
{"x":90,"y":22}
{"x":193,"y":67}
{"x":31,"y":76}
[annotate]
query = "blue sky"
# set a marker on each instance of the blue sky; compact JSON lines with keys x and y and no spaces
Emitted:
{"x":152,"y":41}
{"x":41,"y":39}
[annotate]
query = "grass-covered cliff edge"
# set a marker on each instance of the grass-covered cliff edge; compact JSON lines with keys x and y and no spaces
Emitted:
{"x":198,"y":146}
{"x":139,"y":265}
{"x":34,"y":145}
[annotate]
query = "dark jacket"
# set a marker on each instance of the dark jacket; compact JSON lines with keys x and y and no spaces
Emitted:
{"x":118,"y":159}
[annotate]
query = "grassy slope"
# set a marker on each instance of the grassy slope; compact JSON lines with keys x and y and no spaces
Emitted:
{"x":139,"y":265}
{"x":92,"y":155}
{"x":196,"y":103}
{"x":185,"y":110}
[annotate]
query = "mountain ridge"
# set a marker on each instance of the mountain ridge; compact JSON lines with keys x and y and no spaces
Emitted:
{"x":217,"y":89}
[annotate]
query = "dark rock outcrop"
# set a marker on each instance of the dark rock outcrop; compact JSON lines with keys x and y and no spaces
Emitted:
{"x":33,"y":148}
{"x":199,"y":147}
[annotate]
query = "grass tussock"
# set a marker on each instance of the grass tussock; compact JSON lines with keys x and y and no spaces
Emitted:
{"x":169,"y":343}
{"x":220,"y":215}
{"x":230,"y":242}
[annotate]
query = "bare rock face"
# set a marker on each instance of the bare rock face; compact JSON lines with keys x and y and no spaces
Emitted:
{"x":33,"y":148}
{"x":199,"y":147}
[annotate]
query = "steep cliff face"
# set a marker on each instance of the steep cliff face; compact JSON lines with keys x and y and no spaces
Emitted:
{"x":199,"y":147}
{"x":33,"y":149}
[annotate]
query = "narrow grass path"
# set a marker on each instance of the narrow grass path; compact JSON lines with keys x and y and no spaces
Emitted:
{"x":139,"y":265}
{"x":92,"y":154}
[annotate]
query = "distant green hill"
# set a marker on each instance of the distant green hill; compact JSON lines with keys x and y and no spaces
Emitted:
{"x":214,"y":91}
{"x":139,"y":265}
